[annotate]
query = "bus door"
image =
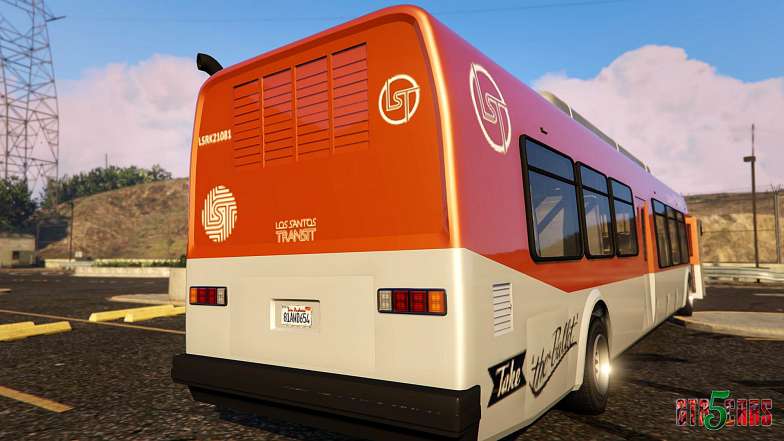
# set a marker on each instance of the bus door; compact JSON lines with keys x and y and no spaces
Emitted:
{"x":650,"y":259}
{"x":696,"y":289}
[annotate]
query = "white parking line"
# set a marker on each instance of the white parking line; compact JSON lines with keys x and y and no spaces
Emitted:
{"x":769,"y":294}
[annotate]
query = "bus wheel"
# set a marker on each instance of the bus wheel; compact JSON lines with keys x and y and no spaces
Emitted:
{"x":591,"y":398}
{"x":688,"y":308}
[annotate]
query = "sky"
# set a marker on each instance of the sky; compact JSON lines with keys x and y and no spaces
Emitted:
{"x":676,"y":82}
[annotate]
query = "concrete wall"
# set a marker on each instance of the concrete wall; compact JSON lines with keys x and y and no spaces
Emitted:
{"x":97,"y":271}
{"x":728,"y":233}
{"x":17,"y":250}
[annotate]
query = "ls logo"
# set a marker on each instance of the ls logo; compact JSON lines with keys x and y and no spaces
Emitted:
{"x":399,"y":99}
{"x":490,"y":108}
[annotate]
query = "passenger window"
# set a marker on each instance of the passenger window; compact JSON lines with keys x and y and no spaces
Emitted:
{"x":685,"y":251}
{"x":596,"y":209}
{"x":625,"y":223}
{"x":672,"y":230}
{"x":660,"y":224}
{"x":555,"y":226}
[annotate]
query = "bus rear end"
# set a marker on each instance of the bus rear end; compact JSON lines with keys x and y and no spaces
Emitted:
{"x":320,"y":275}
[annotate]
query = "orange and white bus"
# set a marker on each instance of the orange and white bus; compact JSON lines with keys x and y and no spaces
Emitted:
{"x":392,"y":236}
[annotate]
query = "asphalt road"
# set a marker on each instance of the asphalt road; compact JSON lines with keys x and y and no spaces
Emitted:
{"x":118,"y":379}
{"x":752,"y":297}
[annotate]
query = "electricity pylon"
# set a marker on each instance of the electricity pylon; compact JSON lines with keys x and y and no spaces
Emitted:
{"x":29,"y":121}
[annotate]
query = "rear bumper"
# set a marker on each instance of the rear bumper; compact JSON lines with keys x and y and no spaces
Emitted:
{"x":363,"y":407}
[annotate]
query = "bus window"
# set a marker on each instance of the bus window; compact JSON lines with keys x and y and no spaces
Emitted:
{"x":672,"y":231}
{"x":554,"y":218}
{"x":686,"y":253}
{"x":596,"y":209}
{"x":660,"y":224}
{"x":625,"y":225}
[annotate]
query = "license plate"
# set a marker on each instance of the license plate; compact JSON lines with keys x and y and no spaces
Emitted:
{"x":300,"y":316}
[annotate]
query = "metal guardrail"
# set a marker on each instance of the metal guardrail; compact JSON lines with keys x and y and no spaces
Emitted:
{"x":741,"y":272}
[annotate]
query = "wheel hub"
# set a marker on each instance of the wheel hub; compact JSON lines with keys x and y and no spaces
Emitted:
{"x":601,"y":363}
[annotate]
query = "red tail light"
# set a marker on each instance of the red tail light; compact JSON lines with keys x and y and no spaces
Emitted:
{"x":209,"y":295}
{"x":412,"y":301}
{"x":400,"y":301}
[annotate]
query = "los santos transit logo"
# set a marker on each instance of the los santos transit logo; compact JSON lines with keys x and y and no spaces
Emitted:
{"x":490,"y":107}
{"x":399,"y":99}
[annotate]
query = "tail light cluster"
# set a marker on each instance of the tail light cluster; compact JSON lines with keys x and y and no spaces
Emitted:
{"x":412,"y":301}
{"x":208,"y":295}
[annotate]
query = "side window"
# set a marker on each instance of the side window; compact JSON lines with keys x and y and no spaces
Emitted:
{"x":660,"y":224}
{"x":554,"y":221}
{"x":685,"y":251}
{"x":672,"y":232}
{"x":597,"y":220}
{"x":625,"y":223}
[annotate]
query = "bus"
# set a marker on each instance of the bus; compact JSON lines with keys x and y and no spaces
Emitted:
{"x":391,"y":236}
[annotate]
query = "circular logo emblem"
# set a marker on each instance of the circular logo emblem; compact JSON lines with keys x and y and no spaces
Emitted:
{"x":490,"y":108}
{"x":399,"y":99}
{"x":219,"y":214}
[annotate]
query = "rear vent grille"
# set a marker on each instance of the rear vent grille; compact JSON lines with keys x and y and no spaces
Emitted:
{"x":502,"y":309}
{"x":307,"y":111}
{"x":313,"y":109}
{"x":350,"y":98}
{"x":278,"y":118}
{"x":246,"y":122}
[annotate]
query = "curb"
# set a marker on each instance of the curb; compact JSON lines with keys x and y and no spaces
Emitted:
{"x":720,"y":328}
{"x":129,"y":298}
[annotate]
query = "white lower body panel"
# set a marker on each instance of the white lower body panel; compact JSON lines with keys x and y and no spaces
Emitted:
{"x":349,"y":336}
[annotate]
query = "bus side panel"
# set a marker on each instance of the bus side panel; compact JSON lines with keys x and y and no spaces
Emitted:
{"x":490,"y":182}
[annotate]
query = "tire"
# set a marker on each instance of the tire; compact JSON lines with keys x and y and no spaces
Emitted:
{"x":688,"y":308}
{"x":591,"y":398}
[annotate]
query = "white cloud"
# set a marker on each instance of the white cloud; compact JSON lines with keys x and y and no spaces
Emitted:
{"x":140,"y":115}
{"x":684,"y":119}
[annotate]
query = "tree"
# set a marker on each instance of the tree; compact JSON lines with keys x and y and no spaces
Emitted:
{"x":16,"y":205}
{"x":99,"y":180}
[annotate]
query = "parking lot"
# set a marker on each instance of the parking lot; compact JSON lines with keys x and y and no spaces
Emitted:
{"x":113,"y":381}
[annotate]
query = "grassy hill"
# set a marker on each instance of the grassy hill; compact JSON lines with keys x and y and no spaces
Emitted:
{"x":147,"y":221}
{"x":728,"y":227}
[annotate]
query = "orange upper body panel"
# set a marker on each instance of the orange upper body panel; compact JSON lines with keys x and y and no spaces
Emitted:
{"x":398,"y":157}
{"x":694,"y":241}
{"x":310,"y":149}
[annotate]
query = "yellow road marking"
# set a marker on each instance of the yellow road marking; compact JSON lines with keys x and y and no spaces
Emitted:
{"x":43,"y":403}
{"x":29,"y":331}
{"x":137,"y":316}
{"x":120,"y":313}
{"x":119,"y":325}
{"x":13,"y":326}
